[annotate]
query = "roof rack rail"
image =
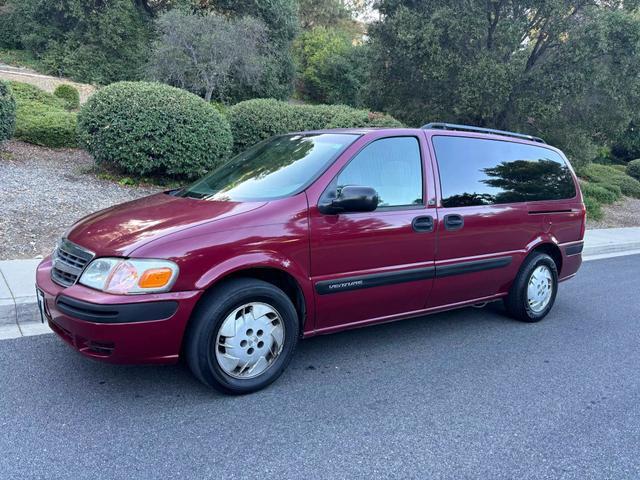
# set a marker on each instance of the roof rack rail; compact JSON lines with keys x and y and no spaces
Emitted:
{"x":470,"y":128}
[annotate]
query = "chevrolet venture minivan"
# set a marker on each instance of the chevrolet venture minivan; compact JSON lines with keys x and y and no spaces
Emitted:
{"x":312,"y":233}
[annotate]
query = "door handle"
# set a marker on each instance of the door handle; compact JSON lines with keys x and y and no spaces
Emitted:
{"x":423,"y":224}
{"x":453,"y":221}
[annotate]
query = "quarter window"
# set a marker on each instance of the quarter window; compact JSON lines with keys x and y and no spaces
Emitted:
{"x":476,"y":171}
{"x":392,"y":166}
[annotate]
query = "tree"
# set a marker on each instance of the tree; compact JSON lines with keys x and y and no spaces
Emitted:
{"x":206,"y":53}
{"x":281,"y":19}
{"x":323,"y":13}
{"x":88,"y":40}
{"x":331,"y":69}
{"x":563,"y":69}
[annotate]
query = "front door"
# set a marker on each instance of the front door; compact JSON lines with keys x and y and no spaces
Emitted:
{"x":377,"y":265}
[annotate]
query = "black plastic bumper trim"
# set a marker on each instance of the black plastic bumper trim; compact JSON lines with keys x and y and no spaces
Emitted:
{"x":117,"y":313}
{"x":574,"y":249}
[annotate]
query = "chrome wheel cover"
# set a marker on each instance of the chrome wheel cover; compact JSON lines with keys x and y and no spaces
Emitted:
{"x":539,"y":289}
{"x":249,"y":340}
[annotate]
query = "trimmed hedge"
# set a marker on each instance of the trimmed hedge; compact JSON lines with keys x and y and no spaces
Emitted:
{"x":25,"y":92}
{"x":7,"y":112}
{"x":256,"y":120}
{"x":69,"y":95}
{"x":151,"y":129}
{"x":633,"y":169}
{"x":42,"y":119}
{"x":41,"y":125}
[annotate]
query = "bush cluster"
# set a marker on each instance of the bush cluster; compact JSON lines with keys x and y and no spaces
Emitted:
{"x":255,"y":120}
{"x":606,"y":176}
{"x":151,"y":129}
{"x":604,"y":184}
{"x":633,"y":169}
{"x":69,"y":95}
{"x":7,"y":112}
{"x":42,"y":118}
{"x":599,"y":193}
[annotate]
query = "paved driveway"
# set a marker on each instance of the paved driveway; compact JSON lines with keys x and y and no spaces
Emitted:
{"x":466,"y":394}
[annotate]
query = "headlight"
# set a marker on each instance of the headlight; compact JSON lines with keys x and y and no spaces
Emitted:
{"x":130,"y":276}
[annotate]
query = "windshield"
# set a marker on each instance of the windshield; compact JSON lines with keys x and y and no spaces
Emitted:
{"x":277,"y":167}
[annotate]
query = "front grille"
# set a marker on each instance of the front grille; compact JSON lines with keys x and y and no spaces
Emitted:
{"x":69,"y":261}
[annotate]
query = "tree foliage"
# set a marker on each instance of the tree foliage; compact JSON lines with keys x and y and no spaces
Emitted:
{"x":281,"y":19}
{"x":88,"y":40}
{"x":564,"y":69}
{"x":323,"y":13}
{"x":207,"y":53}
{"x":331,"y":69}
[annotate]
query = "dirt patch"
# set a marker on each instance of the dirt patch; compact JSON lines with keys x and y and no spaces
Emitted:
{"x":44,"y":191}
{"x":625,"y":213}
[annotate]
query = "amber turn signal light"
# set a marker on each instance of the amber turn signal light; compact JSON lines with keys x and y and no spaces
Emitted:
{"x":155,"y":278}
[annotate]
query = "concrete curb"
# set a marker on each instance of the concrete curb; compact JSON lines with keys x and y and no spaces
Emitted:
{"x":19,"y":314}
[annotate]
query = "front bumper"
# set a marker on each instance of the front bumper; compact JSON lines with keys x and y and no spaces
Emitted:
{"x":117,"y":328}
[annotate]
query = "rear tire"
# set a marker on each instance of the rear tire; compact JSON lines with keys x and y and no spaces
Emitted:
{"x":242,"y":336}
{"x":534,"y":290}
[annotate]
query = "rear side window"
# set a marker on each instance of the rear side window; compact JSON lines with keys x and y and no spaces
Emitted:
{"x":475,"y":171}
{"x":392,"y":166}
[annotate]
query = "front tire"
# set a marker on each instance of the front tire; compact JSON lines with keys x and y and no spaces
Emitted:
{"x":242,"y":336}
{"x":534,"y":290}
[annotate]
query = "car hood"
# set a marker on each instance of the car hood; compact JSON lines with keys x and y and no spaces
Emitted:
{"x":120,"y":229}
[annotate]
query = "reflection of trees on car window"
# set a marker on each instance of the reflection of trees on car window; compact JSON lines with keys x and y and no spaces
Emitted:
{"x":274,"y":168}
{"x":268,"y":159}
{"x":529,"y":180}
{"x":468,"y":200}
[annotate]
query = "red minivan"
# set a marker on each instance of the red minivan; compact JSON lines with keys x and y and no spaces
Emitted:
{"x":311,"y":233}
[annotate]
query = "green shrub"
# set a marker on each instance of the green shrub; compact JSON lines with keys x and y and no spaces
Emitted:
{"x":25,"y":92}
{"x":151,"y":129}
{"x":628,"y":185}
{"x":598,"y":193}
{"x":42,"y":125}
{"x":615,"y":189}
{"x":605,"y":174}
{"x":633,"y":169}
{"x":594,"y":209}
{"x":42,"y":119}
{"x":255,"y":120}
{"x":7,"y":112}
{"x":69,"y":95}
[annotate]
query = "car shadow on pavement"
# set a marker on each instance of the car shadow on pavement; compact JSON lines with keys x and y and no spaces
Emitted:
{"x":317,"y":360}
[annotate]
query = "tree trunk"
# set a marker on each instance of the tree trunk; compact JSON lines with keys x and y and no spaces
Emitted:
{"x":208,"y":94}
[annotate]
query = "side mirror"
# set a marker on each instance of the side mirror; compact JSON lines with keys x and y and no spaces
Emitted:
{"x":350,"y":199}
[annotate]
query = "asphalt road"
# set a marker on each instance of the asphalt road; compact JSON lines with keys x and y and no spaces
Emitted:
{"x":466,"y":394}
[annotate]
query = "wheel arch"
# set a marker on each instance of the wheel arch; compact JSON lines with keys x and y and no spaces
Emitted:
{"x":290,"y":280}
{"x":551,"y":249}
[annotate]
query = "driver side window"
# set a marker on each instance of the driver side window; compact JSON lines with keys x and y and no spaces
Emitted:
{"x":392,"y":166}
